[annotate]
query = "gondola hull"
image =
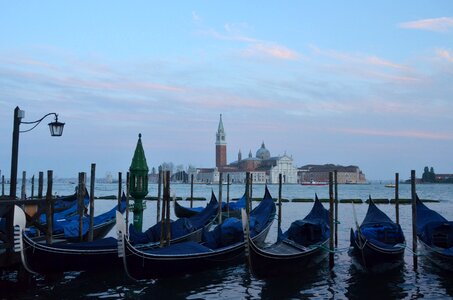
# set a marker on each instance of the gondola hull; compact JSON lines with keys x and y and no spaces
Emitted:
{"x":42,"y":258}
{"x":288,"y":260}
{"x":436,"y":257}
{"x":375,"y":258}
{"x":142,"y":265}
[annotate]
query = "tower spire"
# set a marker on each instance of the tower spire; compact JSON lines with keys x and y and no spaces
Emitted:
{"x":220,"y":146}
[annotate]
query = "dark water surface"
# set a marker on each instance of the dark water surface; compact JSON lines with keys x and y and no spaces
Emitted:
{"x":344,"y":281}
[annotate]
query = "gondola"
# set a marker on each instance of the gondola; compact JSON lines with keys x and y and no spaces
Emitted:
{"x":231,"y":209}
{"x":224,"y":244}
{"x":99,"y":254}
{"x":435,"y":234}
{"x":301,"y":247}
{"x":379,"y":243}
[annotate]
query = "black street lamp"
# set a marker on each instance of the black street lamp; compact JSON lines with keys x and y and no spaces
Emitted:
{"x":56,"y":129}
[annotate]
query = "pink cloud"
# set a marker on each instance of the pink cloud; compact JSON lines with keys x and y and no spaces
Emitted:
{"x":271,"y":50}
{"x":443,"y":24}
{"x":358,"y":58}
{"x":445,"y":54}
{"x":397,"y":133}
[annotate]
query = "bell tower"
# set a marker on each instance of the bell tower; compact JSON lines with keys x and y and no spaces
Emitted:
{"x":220,"y":146}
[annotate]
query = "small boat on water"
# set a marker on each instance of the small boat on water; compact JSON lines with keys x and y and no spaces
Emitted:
{"x":315,"y":183}
{"x":99,"y":254}
{"x":231,"y":209}
{"x":435,"y":234}
{"x":223,"y":245}
{"x":301,"y":247}
{"x":390,"y":185}
{"x":378,"y":243}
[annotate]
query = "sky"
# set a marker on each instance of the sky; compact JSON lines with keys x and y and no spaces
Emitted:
{"x":343,"y":82}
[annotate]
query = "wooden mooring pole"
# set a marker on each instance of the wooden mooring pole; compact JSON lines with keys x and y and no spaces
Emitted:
{"x":414,"y":219}
{"x":40,"y":184}
{"x":191,"y":190}
{"x":24,"y":186}
{"x":167,"y":210}
{"x":81,"y":206}
{"x":335,"y":174}
{"x":3,"y":185}
{"x":120,"y":186}
{"x":49,"y":210}
{"x":164,"y":206}
{"x":127,"y":201}
{"x":92,"y":183}
{"x":32,"y":187}
{"x":251,"y":188}
{"x":159,"y":193}
{"x":397,"y":200}
{"x":279,"y":224}
{"x":228,"y":195}
{"x":331,"y":216}
{"x":220,"y":196}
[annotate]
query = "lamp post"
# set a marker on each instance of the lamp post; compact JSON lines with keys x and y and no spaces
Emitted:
{"x":56,"y":129}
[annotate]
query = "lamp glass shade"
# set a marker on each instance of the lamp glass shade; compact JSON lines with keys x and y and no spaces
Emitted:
{"x":56,"y":128}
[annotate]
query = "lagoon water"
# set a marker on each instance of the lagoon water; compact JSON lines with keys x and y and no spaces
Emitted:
{"x":344,"y":281}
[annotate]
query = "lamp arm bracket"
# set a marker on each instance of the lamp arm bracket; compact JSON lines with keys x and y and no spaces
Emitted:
{"x":38,"y":121}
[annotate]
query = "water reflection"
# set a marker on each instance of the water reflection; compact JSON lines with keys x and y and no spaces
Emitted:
{"x":309,"y":284}
{"x":375,"y":285}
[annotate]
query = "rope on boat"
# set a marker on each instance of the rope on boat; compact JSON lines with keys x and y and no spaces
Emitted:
{"x":336,"y":250}
{"x":419,"y":253}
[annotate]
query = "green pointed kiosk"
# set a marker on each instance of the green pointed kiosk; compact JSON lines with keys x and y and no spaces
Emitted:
{"x":138,"y":182}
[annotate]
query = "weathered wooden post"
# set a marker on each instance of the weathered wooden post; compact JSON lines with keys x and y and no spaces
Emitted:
{"x":40,"y":184}
{"x":191,"y":190}
{"x":228,"y":195}
{"x":414,"y":218}
{"x":251,"y":188}
{"x":139,"y":182}
{"x":164,"y":207}
{"x":397,"y":204}
{"x":336,"y":207}
{"x":92,"y":183}
{"x":32,"y":187}
{"x":279,"y":226}
{"x":247,"y":193}
{"x":167,"y":210}
{"x":49,"y":210}
{"x":331,"y":216}
{"x":220,"y":197}
{"x":3,"y":185}
{"x":81,"y":206}
{"x":120,"y":188}
{"x":23,"y":186}
{"x":127,"y":201}
{"x":159,"y":193}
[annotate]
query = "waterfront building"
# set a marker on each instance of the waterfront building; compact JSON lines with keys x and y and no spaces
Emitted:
{"x":320,"y":173}
{"x":263,"y":167}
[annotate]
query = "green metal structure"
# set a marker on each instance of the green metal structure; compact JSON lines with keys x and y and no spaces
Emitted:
{"x":138,"y":182}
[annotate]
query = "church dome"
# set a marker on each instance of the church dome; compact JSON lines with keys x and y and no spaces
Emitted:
{"x":263,"y":153}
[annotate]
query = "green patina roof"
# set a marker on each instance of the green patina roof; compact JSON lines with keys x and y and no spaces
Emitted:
{"x":139,"y":159}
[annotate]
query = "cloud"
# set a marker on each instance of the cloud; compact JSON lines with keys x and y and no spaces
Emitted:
{"x":358,"y":58}
{"x":398,"y":133}
{"x":445,"y":54}
{"x":256,"y":47}
{"x":443,"y":24}
{"x":270,"y":50}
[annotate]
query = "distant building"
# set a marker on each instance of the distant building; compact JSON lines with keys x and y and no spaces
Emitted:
{"x":263,"y":168}
{"x":320,"y":173}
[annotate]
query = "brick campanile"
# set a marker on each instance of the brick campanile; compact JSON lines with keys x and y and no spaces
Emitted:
{"x":220,"y":146}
